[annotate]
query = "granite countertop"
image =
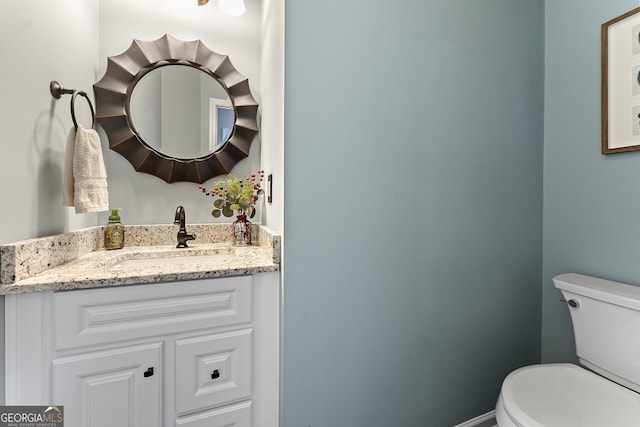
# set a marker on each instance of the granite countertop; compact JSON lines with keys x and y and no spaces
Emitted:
{"x":76,"y":260}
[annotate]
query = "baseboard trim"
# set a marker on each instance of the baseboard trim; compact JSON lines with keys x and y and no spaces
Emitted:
{"x":480,"y":421}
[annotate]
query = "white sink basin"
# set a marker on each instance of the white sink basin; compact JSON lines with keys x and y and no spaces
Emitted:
{"x":161,"y":260}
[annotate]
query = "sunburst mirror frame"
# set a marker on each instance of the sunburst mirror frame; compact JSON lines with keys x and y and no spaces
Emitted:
{"x":113,"y":112}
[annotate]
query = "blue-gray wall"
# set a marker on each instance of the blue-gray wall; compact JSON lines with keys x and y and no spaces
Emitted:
{"x":413,"y":215}
{"x":591,"y":201}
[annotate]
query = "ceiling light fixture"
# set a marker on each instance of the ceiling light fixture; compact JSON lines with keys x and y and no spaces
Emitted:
{"x":232,"y":7}
{"x":202,"y":2}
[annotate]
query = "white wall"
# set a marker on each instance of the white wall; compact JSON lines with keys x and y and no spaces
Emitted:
{"x":273,"y":107}
{"x":69,"y":41}
{"x":40,"y":42}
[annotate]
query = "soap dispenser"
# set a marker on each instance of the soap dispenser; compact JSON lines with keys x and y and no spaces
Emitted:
{"x":114,"y":232}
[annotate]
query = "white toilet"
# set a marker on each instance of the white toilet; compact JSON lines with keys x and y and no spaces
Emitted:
{"x":606,"y":323}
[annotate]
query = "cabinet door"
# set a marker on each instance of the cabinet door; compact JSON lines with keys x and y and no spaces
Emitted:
{"x":120,"y":387}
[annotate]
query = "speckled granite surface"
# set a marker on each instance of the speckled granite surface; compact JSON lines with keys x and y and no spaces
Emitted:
{"x":77,"y":260}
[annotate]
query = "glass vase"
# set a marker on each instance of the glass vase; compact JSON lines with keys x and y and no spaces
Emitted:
{"x":241,"y":231}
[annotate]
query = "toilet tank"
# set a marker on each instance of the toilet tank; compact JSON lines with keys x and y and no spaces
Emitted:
{"x":606,"y":324}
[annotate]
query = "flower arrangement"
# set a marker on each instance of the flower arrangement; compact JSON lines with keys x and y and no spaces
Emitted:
{"x":236,"y":195}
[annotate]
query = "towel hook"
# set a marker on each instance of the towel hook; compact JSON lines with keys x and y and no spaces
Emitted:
{"x":57,"y":91}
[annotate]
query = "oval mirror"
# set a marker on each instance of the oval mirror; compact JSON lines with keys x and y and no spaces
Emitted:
{"x":181,"y":112}
{"x":129,"y":109}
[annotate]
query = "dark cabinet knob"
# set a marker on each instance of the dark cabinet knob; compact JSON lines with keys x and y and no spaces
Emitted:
{"x":148,"y":372}
{"x":215,"y":374}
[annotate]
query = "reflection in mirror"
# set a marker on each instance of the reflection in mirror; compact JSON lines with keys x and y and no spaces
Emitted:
{"x":221,"y":122}
{"x":181,"y":111}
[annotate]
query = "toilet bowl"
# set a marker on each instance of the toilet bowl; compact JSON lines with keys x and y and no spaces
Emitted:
{"x":606,"y":321}
{"x":564,"y":395}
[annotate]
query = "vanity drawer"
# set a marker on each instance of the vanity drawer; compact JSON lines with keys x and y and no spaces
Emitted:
{"x":238,"y":415}
{"x":212,"y":370}
{"x":100,"y":316}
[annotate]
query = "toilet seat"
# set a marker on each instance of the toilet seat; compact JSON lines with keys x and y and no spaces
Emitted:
{"x":566,"y":395}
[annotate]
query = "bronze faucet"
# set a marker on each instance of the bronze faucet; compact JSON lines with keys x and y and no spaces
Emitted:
{"x":183,"y":236}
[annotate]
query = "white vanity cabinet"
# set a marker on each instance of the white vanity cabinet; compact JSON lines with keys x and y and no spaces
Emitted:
{"x":190,"y":353}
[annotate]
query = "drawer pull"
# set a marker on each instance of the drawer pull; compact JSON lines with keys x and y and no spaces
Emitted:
{"x":148,"y":372}
{"x":215,"y":374}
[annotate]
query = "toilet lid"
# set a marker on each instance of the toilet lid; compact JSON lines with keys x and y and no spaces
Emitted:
{"x":565,"y":395}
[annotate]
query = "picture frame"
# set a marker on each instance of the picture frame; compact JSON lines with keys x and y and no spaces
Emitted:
{"x":620,"y":38}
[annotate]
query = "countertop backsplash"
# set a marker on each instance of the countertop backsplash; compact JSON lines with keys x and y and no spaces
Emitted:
{"x":21,"y":261}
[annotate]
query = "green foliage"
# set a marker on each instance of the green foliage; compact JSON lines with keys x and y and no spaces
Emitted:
{"x":236,"y":195}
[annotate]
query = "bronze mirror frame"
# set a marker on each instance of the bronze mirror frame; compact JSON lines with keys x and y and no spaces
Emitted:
{"x":113,"y":97}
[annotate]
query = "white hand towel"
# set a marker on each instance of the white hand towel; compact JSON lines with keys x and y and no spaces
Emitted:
{"x":67,"y":178}
{"x":85,"y":179}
